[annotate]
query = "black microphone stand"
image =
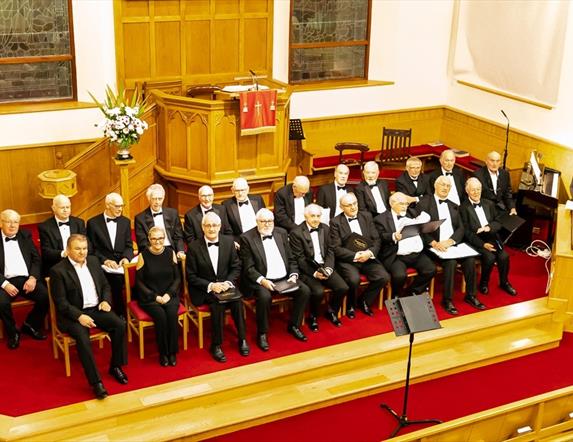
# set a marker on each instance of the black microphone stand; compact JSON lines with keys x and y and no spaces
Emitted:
{"x":506,"y":139}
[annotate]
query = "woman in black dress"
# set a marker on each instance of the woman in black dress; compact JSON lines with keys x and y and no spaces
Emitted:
{"x":157,"y":281}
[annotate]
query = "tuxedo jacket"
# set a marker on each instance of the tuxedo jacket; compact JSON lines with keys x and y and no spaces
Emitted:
{"x":503,"y":199}
{"x":472,"y":224}
{"x":284,"y":207}
{"x":428,"y":205}
{"x":29,"y":252}
{"x":459,"y":179}
{"x":386,"y":227}
{"x":254,"y":260}
{"x":200,"y":272}
{"x":67,"y":290}
{"x":405,"y":185}
{"x":101,"y":242}
{"x":232,"y":210}
{"x":303,"y":249}
{"x":340,"y":231}
{"x":366,"y":201}
{"x":192,"y":223}
{"x":327,"y":197}
{"x":144,"y":222}
{"x":51,"y":243}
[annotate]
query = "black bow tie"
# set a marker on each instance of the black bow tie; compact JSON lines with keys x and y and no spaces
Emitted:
{"x":11,"y":239}
{"x":448,"y":173}
{"x":340,"y":187}
{"x":61,"y":223}
{"x":314,"y":230}
{"x":267,"y":237}
{"x":399,"y":217}
{"x":112,"y":220}
{"x":353,"y":219}
{"x":476,"y":204}
{"x":414,"y":180}
{"x":442,"y":201}
{"x":208,"y":210}
{"x":242,"y":203}
{"x":157,"y":214}
{"x":372,"y":186}
{"x":216,"y":244}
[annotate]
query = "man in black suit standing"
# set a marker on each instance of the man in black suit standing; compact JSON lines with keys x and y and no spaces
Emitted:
{"x":481,"y":230}
{"x":290,"y":202}
{"x":454,"y":175}
{"x":496,"y":185}
{"x":82,"y":298}
{"x":213,"y":266}
{"x":352,"y":261}
{"x":329,"y":194}
{"x":242,"y":208}
{"x":372,"y":193}
{"x":450,"y":233}
{"x":267,"y":259}
{"x":55,"y":231}
{"x":310,"y":244}
{"x":110,"y":236}
{"x":20,"y":275}
{"x":413,"y":183}
{"x":397,"y":253}
{"x":192,"y":221}
{"x":156,"y":215}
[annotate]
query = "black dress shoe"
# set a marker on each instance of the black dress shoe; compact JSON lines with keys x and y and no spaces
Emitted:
{"x":297,"y":333}
{"x":483,"y":288}
{"x":163,"y":360}
{"x":118,"y":374}
{"x":450,"y":307}
{"x":244,"y":348}
{"x":313,"y":323}
{"x":331,"y":316}
{"x":14,"y":341}
{"x":31,"y":331}
{"x":350,"y":313}
{"x":172,"y":360}
{"x":263,"y":342}
{"x":508,"y":289}
{"x":217,"y":353}
{"x":366,"y":309}
{"x":99,"y":391}
{"x":474,"y":302}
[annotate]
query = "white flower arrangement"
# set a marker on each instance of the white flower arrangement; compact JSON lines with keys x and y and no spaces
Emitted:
{"x":122,"y":123}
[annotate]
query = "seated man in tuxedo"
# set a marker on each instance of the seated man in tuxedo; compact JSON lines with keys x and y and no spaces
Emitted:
{"x":110,"y":236}
{"x":455,"y":176}
{"x":372,"y":193}
{"x":397,"y":253}
{"x":310,"y":244}
{"x":55,"y":231}
{"x":242,"y":208}
{"x":82,"y":298}
{"x":267,"y":259}
{"x":20,"y":275}
{"x":496,"y":185}
{"x":479,"y":216}
{"x":290,"y":202}
{"x":192,"y":221}
{"x":213,"y":266}
{"x":450,"y":233}
{"x":329,"y":194}
{"x":351,"y":262}
{"x":156,"y":215}
{"x":413,"y":183}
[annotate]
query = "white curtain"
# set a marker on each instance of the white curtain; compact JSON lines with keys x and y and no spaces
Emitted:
{"x":514,"y":46}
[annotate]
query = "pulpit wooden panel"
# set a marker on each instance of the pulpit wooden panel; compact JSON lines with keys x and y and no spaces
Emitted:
{"x":196,"y":35}
{"x":225,"y":48}
{"x":255,"y":43}
{"x":227,"y":7}
{"x":256,"y":6}
{"x":196,"y":7}
{"x":167,"y":7}
{"x":136,"y":59}
{"x":135,"y":9}
{"x":167,"y":48}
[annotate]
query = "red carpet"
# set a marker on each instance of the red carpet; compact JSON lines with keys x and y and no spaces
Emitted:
{"x":36,"y":381}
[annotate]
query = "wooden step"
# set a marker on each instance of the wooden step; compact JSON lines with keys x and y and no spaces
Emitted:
{"x":224,"y":401}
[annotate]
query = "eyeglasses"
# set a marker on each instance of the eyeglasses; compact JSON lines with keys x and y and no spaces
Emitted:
{"x":160,"y":238}
{"x":209,"y":195}
{"x":355,"y":203}
{"x":266,"y":221}
{"x":212,"y":226}
{"x":240,"y":190}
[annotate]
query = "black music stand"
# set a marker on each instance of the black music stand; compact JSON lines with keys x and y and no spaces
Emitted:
{"x":410,"y":315}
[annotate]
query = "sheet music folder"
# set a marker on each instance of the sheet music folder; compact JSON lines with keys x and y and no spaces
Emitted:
{"x":415,"y":229}
{"x":412,"y":314}
{"x":511,"y":222}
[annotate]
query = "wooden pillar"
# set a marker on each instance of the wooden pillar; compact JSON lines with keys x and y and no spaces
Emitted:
{"x":124,"y":183}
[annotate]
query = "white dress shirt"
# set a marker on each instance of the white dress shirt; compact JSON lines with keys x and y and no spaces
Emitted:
{"x":354,"y":225}
{"x":158,"y":221}
{"x":64,"y":231}
{"x":14,"y":264}
{"x":446,"y":229}
{"x":247,"y":215}
{"x":299,"y":210}
{"x":275,"y":265}
{"x":493,"y":177}
{"x":413,"y":244}
{"x":339,"y":194}
{"x":453,"y":196}
{"x":380,"y":206}
{"x":111,"y":230}
{"x":87,"y":283}
{"x":316,"y":246}
{"x":480,"y":213}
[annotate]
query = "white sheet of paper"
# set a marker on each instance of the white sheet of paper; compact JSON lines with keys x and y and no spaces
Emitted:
{"x":325,"y":217}
{"x":461,"y":250}
{"x":569,"y":205}
{"x":118,"y":271}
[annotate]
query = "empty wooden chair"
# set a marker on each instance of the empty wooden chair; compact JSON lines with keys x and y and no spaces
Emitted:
{"x":395,"y":144}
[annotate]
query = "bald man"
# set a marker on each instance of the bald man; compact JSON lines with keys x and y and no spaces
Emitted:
{"x":290,"y":202}
{"x":372,"y":193}
{"x":242,"y":208}
{"x":55,"y":231}
{"x":329,"y":194}
{"x":454,"y":175}
{"x":496,"y":185}
{"x":192,"y":229}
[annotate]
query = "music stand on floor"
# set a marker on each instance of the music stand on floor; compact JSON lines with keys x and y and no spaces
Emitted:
{"x":410,"y":315}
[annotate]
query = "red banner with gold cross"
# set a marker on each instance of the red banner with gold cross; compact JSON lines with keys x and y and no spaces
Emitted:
{"x":258,"y":111}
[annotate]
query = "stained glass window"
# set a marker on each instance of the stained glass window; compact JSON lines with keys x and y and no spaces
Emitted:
{"x":329,"y":40}
{"x":36,"y":51}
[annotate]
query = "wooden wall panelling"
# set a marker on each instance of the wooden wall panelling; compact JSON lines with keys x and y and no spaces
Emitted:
{"x":225,"y":46}
{"x":167,"y":48}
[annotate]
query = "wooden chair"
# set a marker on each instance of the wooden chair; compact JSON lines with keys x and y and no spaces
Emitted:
{"x":63,"y":341}
{"x":410,"y":274}
{"x":395,"y":145}
{"x":138,"y":320}
{"x":363,"y":283}
{"x":342,"y":147}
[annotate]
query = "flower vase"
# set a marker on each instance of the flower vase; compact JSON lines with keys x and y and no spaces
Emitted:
{"x":122,"y":153}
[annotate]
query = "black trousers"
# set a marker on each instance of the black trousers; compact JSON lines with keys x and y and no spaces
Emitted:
{"x":108,"y":322}
{"x":38,"y":313}
{"x":218,"y":318}
{"x":374,"y":271}
{"x":398,"y":267}
{"x":469,"y":271}
{"x":117,"y":283}
{"x":488,"y":259}
{"x":166,"y":325}
{"x":335,"y":283}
